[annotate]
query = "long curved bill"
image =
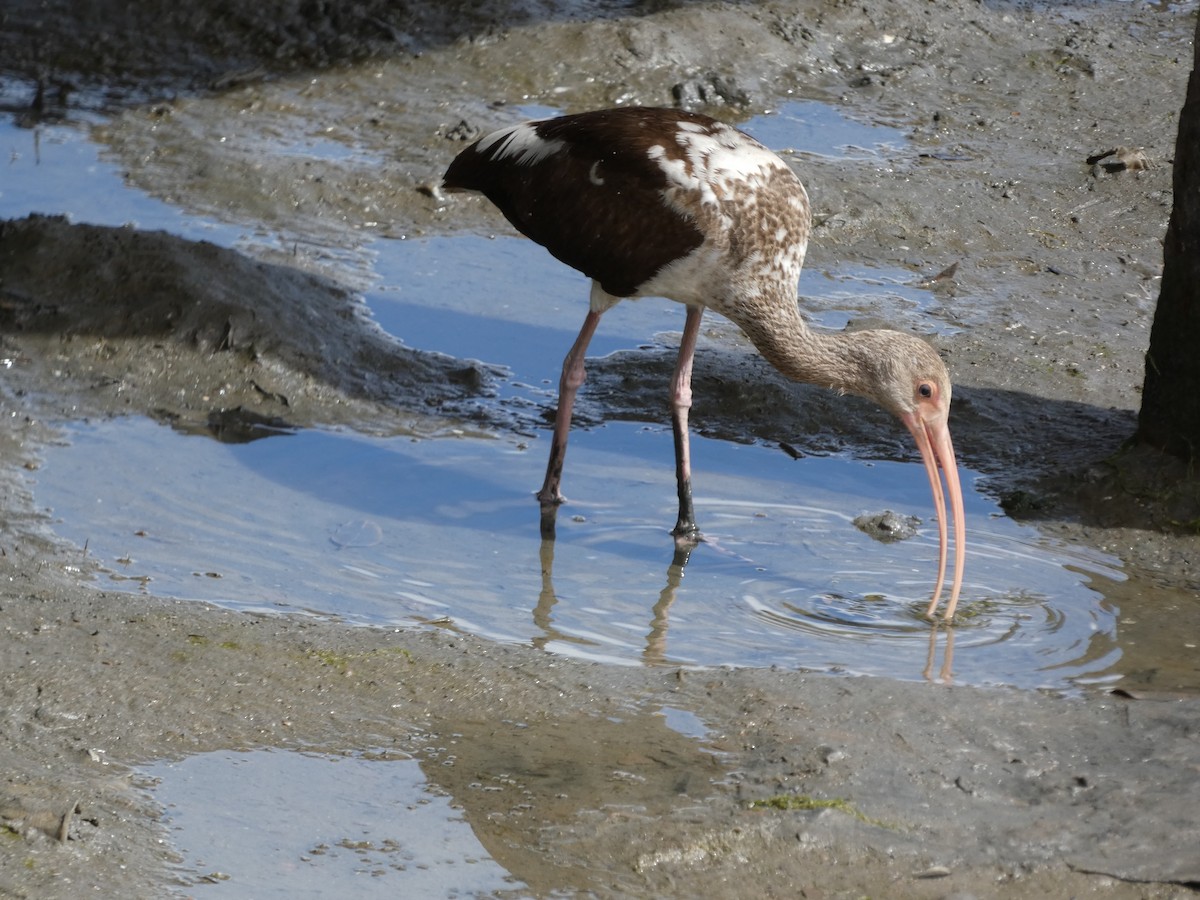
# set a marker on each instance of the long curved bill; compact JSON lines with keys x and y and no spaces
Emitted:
{"x":933,"y":440}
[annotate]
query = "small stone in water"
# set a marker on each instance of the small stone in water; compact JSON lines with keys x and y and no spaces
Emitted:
{"x":887,"y":526}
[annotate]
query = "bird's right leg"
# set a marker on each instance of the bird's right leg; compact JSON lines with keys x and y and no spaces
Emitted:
{"x":573,"y":374}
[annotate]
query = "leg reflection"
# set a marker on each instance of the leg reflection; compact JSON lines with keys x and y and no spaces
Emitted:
{"x":945,"y":674}
{"x":548,"y":521}
{"x":655,"y":652}
{"x":542,"y":613}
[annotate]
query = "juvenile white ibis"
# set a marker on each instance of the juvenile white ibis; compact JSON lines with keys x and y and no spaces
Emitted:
{"x":665,"y":203}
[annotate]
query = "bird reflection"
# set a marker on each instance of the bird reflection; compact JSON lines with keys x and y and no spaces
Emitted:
{"x":945,"y":674}
{"x":655,"y":652}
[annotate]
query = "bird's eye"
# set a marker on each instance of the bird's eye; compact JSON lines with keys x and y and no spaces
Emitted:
{"x":925,"y":389}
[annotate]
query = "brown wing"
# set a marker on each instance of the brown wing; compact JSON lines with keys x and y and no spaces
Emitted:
{"x":585,"y":188}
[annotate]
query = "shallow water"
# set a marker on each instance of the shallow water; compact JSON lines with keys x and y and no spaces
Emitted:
{"x":57,"y":169}
{"x":819,"y":129}
{"x":390,"y":833}
{"x":391,"y":531}
{"x":429,"y":814}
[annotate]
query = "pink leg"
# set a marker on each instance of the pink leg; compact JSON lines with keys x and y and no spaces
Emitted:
{"x":573,"y":375}
{"x":681,"y":403}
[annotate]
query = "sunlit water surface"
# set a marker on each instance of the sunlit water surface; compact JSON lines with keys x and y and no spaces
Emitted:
{"x":397,"y":532}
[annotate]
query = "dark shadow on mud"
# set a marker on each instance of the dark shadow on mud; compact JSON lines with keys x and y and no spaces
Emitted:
{"x":184,"y":329}
{"x":1026,"y":446}
{"x":116,"y":53}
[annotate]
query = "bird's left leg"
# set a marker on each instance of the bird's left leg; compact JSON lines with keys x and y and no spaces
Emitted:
{"x":681,"y":402}
{"x":573,"y":374}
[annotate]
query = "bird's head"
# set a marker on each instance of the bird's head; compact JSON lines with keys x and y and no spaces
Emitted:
{"x":900,"y":372}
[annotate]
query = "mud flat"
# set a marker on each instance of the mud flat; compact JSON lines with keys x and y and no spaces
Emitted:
{"x":801,"y":785}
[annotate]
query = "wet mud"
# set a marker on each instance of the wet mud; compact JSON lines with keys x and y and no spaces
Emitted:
{"x":1045,"y":265}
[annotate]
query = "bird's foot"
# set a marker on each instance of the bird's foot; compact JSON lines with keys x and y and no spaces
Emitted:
{"x":687,"y":535}
{"x":549,"y":517}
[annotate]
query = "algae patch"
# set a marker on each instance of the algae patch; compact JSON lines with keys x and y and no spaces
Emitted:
{"x":803,"y":803}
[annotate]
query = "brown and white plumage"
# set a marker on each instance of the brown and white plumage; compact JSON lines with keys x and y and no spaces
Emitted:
{"x":660,"y":202}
